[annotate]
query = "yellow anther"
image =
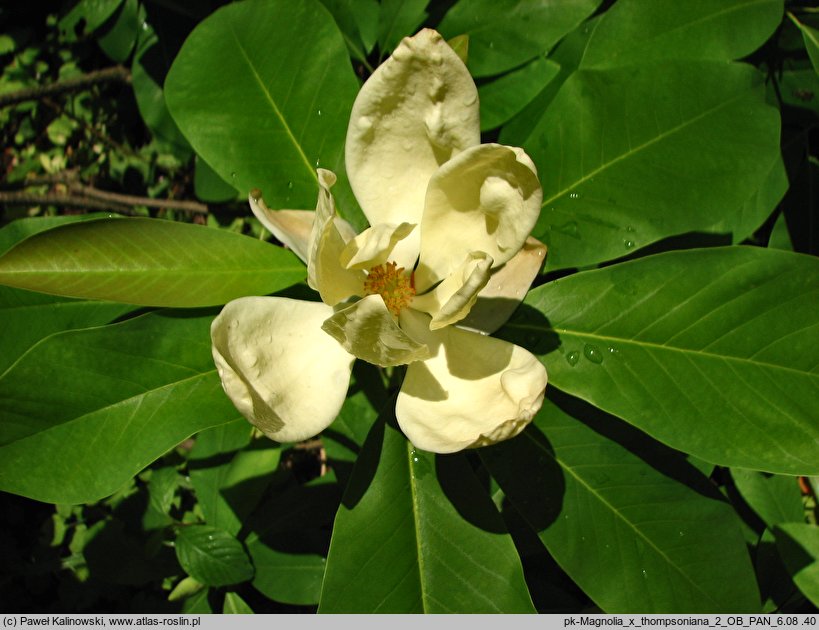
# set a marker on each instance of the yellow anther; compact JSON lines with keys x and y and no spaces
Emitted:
{"x":391,"y":283}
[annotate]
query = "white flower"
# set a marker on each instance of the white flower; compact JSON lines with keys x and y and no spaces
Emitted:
{"x":449,"y":221}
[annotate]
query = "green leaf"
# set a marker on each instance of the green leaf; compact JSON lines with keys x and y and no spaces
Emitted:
{"x":212,"y":556}
{"x":286,"y":88}
{"x":209,"y":186}
{"x":711,"y":351}
{"x":120,"y":35}
{"x":29,"y":317}
{"x":148,"y":69}
{"x":398,"y":19}
{"x":83,"y":411}
{"x":780,"y":236}
{"x":228,"y":491}
{"x":357,"y":20}
{"x":632,"y":31}
{"x":418,"y":533}
{"x":628,"y":156}
{"x":235,"y":605}
{"x":635,"y":526}
{"x":507,"y":33}
{"x":21,"y":229}
{"x":811,"y":38}
{"x":284,"y":576}
{"x":798,"y":545}
{"x":775,"y":498}
{"x":149,"y":262}
{"x":504,"y":97}
{"x":90,"y":14}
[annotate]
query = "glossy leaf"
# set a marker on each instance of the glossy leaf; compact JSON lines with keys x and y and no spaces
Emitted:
{"x":285,"y":92}
{"x":83,"y":411}
{"x":212,"y":556}
{"x":798,"y":545}
{"x":21,"y":229}
{"x":633,"y":524}
{"x":398,"y":19}
{"x":209,"y":186}
{"x":633,"y":31}
{"x":710,"y":351}
{"x":505,"y":34}
{"x":628,"y":156}
{"x":417,"y":533}
{"x":506,"y":96}
{"x":775,"y":498}
{"x":357,"y":20}
{"x":148,"y":262}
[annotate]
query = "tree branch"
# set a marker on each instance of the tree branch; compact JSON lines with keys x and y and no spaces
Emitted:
{"x":114,"y":73}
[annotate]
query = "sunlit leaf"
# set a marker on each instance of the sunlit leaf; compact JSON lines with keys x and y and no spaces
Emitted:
{"x":149,"y":262}
{"x":710,"y":351}
{"x":83,"y":411}
{"x":285,"y":90}
{"x":633,"y":524}
{"x":212,"y":556}
{"x":417,"y":533}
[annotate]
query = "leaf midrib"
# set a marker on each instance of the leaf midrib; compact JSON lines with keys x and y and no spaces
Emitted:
{"x":592,"y":491}
{"x":633,"y":151}
{"x":661,"y":347}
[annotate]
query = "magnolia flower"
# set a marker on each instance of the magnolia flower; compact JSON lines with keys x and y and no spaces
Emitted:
{"x":449,"y":221}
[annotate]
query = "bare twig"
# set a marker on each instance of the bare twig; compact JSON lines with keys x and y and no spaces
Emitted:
{"x":80,"y":196}
{"x":115,"y":73}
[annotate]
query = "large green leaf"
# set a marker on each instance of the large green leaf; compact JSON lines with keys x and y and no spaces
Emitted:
{"x":149,"y":262}
{"x":635,"y":526}
{"x":418,"y":533}
{"x":397,"y":19}
{"x":798,"y":544}
{"x":775,"y":498}
{"x":628,"y":156}
{"x":28,"y":317}
{"x":504,"y":97}
{"x":263,"y":90}
{"x":83,"y":411}
{"x":504,"y":34}
{"x":212,"y":556}
{"x":632,"y":31}
{"x":711,"y":351}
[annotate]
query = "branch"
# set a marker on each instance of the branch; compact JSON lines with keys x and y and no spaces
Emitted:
{"x":114,"y":73}
{"x":81,"y":196}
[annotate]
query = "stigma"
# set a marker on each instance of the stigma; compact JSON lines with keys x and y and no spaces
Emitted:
{"x":391,"y":283}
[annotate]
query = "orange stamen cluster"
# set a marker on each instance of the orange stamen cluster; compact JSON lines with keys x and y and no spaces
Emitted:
{"x":391,"y":283}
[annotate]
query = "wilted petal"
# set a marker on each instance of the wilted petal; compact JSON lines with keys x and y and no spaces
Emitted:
{"x":293,"y":227}
{"x":506,"y":289}
{"x":282,"y":372}
{"x":368,"y":330}
{"x":473,"y":391}
{"x":418,"y":109}
{"x":375,"y":245}
{"x":325,"y":273}
{"x":486,"y":198}
{"x":453,"y":298}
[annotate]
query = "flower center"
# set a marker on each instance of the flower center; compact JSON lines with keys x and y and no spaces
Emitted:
{"x":391,"y":283}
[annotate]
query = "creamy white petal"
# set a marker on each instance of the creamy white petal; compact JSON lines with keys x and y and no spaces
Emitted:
{"x":325,"y":273}
{"x":293,"y":227}
{"x":506,"y":289}
{"x":486,"y":198}
{"x":473,"y":391}
{"x":417,"y":110}
{"x":452,"y":299}
{"x":282,"y":372}
{"x":368,"y":330}
{"x":375,"y":245}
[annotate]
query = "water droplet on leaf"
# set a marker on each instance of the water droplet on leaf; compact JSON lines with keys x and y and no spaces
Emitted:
{"x":628,"y":243}
{"x":573,"y":357}
{"x":593,"y":353}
